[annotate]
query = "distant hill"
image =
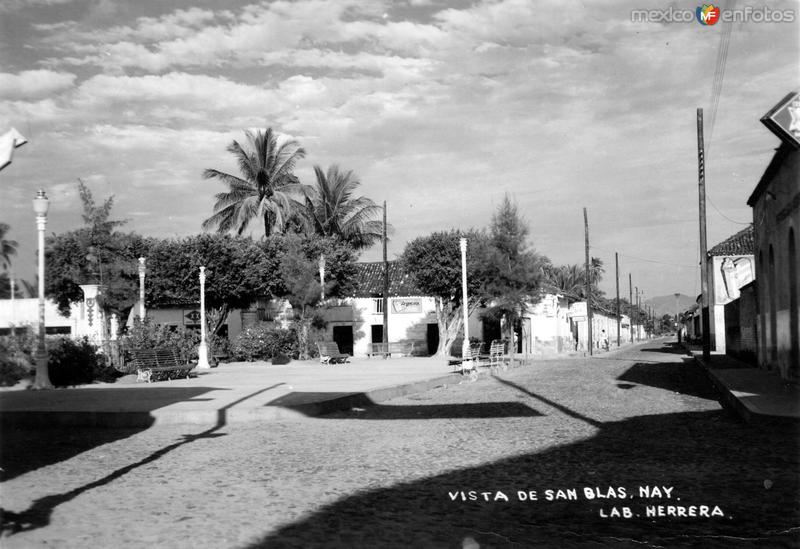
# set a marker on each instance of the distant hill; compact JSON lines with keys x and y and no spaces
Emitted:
{"x":665,"y":304}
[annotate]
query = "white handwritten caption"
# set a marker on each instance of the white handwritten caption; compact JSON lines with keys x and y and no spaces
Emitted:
{"x":597,"y":494}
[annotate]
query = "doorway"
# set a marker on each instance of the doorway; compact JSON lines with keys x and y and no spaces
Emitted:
{"x":343,"y":337}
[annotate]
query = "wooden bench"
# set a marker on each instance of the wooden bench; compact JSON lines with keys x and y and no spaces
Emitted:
{"x":329,"y":353}
{"x":158,"y":364}
{"x":401,"y":348}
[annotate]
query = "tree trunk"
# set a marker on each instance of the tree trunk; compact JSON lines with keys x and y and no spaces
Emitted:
{"x":450,"y":324}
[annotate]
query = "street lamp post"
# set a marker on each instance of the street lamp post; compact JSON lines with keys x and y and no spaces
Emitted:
{"x":322,"y":277}
{"x":141,"y":288}
{"x":464,"y":299}
{"x":40,"y":205}
{"x":202,"y":352}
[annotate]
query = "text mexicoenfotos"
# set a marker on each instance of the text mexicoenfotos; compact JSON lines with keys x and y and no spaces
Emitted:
{"x":616,"y":494}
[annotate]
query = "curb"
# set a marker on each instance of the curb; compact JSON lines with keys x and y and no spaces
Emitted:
{"x":730,"y":401}
{"x":217,"y":417}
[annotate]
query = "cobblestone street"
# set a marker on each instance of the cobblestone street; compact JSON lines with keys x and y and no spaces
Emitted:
{"x":627,"y":449}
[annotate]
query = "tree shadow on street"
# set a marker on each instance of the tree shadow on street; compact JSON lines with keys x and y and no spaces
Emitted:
{"x":39,"y":513}
{"x":685,"y":377}
{"x":34,"y":437}
{"x":703,"y":458}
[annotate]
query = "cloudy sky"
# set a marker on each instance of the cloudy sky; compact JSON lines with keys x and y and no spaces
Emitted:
{"x":440,"y":107}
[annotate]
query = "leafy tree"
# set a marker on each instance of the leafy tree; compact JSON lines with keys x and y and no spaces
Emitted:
{"x":435,"y":263}
{"x":5,"y":287}
{"x":570,"y":280}
{"x":300,"y":283}
{"x":94,"y":254}
{"x":265,"y":189}
{"x":238,"y":271}
{"x":332,"y":209}
{"x":513,"y":270}
{"x":7,"y":247}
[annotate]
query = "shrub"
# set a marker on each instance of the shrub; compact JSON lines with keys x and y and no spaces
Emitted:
{"x":148,"y":334}
{"x":15,"y":364}
{"x":261,"y":343}
{"x":76,"y":362}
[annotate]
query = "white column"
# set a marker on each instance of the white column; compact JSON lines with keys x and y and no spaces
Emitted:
{"x":42,"y":380}
{"x":141,"y":288}
{"x":322,"y":276}
{"x":464,"y":298}
{"x":13,"y":308}
{"x":202,"y":351}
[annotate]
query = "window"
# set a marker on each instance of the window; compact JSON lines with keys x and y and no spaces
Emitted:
{"x":377,"y":306}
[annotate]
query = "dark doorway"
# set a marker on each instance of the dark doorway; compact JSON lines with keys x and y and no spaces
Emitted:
{"x":343,"y":336}
{"x":491,"y":330}
{"x":377,"y":333}
{"x":432,"y":338}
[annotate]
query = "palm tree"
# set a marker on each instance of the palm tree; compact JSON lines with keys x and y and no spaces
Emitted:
{"x":7,"y":247}
{"x":332,"y":209}
{"x":264,"y":189}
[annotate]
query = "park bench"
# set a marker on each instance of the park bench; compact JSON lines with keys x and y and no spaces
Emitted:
{"x":400,"y":348}
{"x":497,"y":355}
{"x":158,"y":364}
{"x":329,"y":353}
{"x":467,"y":365}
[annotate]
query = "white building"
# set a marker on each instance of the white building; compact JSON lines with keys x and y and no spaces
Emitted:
{"x":731,"y":265}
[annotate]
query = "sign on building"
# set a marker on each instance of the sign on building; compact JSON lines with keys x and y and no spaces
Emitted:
{"x":405,"y":306}
{"x":784,"y":119}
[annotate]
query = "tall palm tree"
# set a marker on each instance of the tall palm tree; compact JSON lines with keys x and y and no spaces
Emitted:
{"x":7,"y":247}
{"x":332,"y":209}
{"x":265,"y":188}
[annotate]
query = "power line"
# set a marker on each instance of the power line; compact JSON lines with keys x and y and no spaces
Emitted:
{"x":648,"y":260}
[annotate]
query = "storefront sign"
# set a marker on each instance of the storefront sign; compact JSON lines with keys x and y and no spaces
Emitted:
{"x":403,"y":306}
{"x":191,"y":318}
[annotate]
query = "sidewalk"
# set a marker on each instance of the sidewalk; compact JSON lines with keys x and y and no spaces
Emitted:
{"x":755,"y":394}
{"x":236,"y":392}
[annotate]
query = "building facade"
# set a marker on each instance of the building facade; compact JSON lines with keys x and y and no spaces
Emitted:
{"x":776,"y":219}
{"x":731,"y":266}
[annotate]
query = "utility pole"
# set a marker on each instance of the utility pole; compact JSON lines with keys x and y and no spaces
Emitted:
{"x":677,"y":313}
{"x":637,"y":313}
{"x":588,"y":285}
{"x":630,"y":304}
{"x":701,"y":171}
{"x":616,"y":272}
{"x":385,"y":290}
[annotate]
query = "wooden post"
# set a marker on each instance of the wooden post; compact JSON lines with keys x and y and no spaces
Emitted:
{"x":701,"y":172}
{"x":630,"y":302}
{"x":588,"y":285}
{"x":616,"y":273}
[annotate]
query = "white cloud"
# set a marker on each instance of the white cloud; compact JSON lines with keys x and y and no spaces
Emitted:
{"x":34,"y":84}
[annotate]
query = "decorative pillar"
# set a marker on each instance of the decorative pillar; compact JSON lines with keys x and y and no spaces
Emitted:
{"x":42,"y":381}
{"x":202,"y":351}
{"x":464,"y":298}
{"x":92,"y":325}
{"x":141,"y":288}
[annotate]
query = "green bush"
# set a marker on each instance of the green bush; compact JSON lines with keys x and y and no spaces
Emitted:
{"x":262,"y":343}
{"x":148,"y":335}
{"x":15,"y":364}
{"x":77,"y":362}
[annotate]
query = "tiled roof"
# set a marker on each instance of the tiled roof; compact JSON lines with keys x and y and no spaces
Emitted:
{"x":742,"y":243}
{"x":369,"y":280}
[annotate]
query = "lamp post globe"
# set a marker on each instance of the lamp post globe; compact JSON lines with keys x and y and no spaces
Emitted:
{"x":41,"y":205}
